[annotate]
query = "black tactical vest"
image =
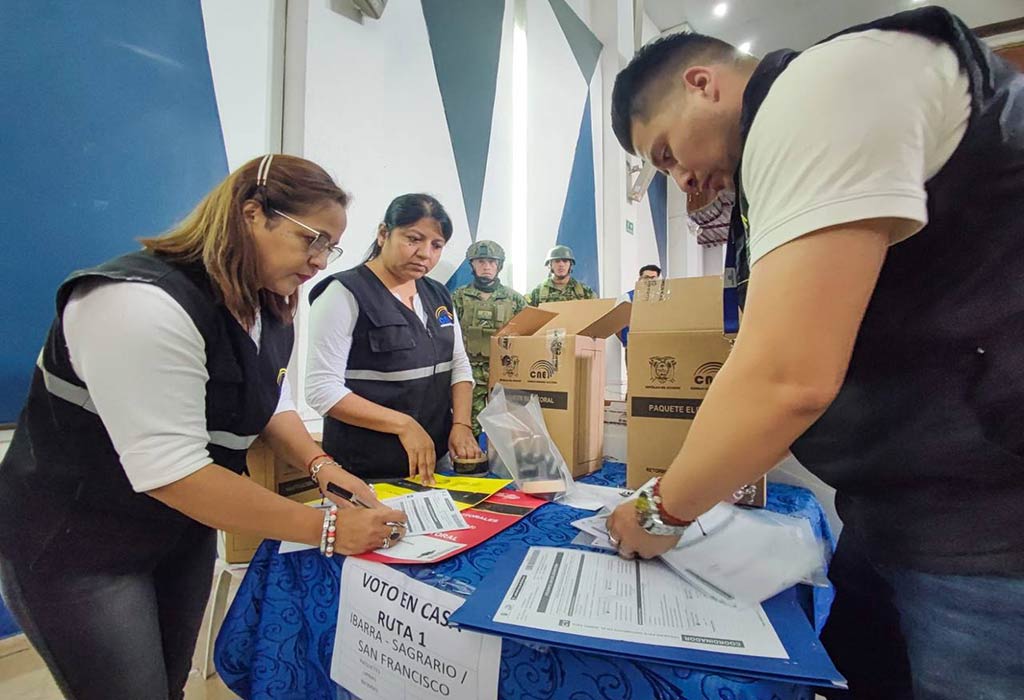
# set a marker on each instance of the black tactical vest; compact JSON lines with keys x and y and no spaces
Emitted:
{"x":398,"y":363}
{"x":65,"y":501}
{"x":925,"y":442}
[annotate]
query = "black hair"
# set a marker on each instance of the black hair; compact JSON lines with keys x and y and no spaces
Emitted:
{"x":631,"y":96}
{"x":407,"y":209}
{"x":645,"y":268}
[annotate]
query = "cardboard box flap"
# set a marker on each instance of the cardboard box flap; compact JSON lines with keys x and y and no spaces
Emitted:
{"x":526,"y":322}
{"x":682,"y":304}
{"x":583,"y":317}
{"x":611,"y":323}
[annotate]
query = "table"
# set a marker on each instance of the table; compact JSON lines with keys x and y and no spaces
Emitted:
{"x":277,"y":639}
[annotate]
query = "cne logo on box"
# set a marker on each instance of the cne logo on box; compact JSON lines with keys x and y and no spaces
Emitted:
{"x":705,"y":374}
{"x":543,"y":369}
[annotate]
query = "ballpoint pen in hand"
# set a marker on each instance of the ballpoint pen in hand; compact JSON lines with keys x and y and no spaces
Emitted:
{"x":354,"y":500}
{"x":346,"y":494}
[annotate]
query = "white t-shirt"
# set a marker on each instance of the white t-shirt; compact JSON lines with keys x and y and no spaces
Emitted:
{"x":852,"y":130}
{"x":144,"y":363}
{"x":332,"y":319}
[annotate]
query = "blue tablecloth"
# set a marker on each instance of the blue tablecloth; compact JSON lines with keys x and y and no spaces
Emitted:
{"x":278,"y":636}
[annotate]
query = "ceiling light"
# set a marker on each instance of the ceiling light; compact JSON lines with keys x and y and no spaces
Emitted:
{"x":720,"y":9}
{"x":744,"y":47}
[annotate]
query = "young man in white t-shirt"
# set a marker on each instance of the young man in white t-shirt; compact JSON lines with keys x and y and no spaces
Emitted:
{"x":879,"y":177}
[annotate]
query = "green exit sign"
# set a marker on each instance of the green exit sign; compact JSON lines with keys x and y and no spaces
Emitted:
{"x":629,"y":227}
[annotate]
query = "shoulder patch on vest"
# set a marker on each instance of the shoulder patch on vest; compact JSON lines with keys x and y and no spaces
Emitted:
{"x":444,"y":317}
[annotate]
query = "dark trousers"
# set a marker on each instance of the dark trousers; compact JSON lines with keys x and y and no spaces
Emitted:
{"x":116,"y":636}
{"x":899,"y":634}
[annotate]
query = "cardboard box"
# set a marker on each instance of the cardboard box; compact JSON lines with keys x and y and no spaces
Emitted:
{"x":557,"y":352}
{"x":676,"y":347}
{"x":276,"y":475}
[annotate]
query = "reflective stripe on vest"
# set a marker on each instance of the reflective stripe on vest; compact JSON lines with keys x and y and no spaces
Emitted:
{"x":79,"y":396}
{"x":404,"y":375}
{"x":63,"y":389}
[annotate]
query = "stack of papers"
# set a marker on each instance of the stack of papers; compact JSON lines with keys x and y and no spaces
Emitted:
{"x":427,"y":512}
{"x":735,"y":555}
{"x":466,"y":491}
{"x":590,"y":601}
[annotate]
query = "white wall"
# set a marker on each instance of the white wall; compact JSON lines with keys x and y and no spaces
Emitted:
{"x":557,"y":94}
{"x":243,"y":39}
{"x":361,"y":98}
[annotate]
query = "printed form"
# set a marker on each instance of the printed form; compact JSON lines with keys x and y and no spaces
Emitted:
{"x":598,"y":595}
{"x":428,"y":511}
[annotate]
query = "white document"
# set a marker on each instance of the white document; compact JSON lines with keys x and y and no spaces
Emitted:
{"x":711,"y":522}
{"x":591,"y":497}
{"x":744,"y":557}
{"x":428,"y":511}
{"x":597,"y":527}
{"x":605,"y":597}
{"x":393,"y":641}
{"x":415,"y":548}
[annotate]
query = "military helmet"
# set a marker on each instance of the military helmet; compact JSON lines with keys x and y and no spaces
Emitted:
{"x":560,"y":252}
{"x":485,"y":249}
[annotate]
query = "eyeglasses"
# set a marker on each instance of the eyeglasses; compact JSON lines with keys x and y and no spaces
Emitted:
{"x":320,"y":244}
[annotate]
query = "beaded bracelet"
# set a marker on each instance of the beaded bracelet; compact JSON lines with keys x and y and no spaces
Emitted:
{"x":327,"y":537}
{"x":666,"y":517}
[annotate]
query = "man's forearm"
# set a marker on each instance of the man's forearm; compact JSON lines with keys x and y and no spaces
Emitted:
{"x":744,"y":428}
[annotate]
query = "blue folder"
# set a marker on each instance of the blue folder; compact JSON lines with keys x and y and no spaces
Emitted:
{"x":807,"y":663}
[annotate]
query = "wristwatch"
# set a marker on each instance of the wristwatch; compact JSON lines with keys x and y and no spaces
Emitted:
{"x":651,"y":515}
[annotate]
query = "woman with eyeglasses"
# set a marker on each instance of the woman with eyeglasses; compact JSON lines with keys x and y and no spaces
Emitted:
{"x":387,"y":367}
{"x":160,"y":369}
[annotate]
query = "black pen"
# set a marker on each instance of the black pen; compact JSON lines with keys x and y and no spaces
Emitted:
{"x":351,"y":498}
{"x":346,"y":494}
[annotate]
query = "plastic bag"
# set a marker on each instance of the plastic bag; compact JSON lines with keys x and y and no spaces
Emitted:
{"x":743,"y":556}
{"x":518,"y":436}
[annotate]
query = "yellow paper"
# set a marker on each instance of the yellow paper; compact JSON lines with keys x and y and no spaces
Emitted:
{"x":466,"y":491}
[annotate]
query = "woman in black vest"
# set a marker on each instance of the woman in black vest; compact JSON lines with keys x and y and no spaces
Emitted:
{"x":387,"y":368}
{"x":160,"y":370}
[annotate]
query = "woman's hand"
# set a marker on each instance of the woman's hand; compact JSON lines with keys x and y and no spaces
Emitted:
{"x":420,"y":448}
{"x":631,"y":539}
{"x":462,"y":444}
{"x":365,"y":529}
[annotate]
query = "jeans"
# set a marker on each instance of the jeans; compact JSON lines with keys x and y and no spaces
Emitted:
{"x":900,"y":634}
{"x":117,"y":636}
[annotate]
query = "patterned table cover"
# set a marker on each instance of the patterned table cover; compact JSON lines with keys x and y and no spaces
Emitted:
{"x":278,"y":636}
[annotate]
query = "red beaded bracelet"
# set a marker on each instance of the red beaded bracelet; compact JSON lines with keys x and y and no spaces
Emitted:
{"x":666,"y":517}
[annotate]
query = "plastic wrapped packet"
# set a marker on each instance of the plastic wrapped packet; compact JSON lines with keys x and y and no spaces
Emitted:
{"x":742,"y":556}
{"x":522,"y":446}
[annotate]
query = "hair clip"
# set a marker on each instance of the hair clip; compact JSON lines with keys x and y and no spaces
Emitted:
{"x":264,"y":170}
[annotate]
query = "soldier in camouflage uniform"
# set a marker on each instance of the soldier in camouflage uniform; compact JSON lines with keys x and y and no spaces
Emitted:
{"x":560,"y":285}
{"x":482,"y":308}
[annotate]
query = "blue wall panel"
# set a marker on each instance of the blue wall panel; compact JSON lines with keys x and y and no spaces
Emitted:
{"x":578,"y":228}
{"x":111,"y":132}
{"x":657,"y":196}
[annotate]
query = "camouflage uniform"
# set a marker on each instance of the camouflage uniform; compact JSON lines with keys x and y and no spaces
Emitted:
{"x":479,"y":319}
{"x":547,"y":291}
{"x":574,"y":289}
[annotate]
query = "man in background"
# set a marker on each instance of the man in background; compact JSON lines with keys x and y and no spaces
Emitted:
{"x":483,"y":307}
{"x":560,"y":284}
{"x":647,"y":272}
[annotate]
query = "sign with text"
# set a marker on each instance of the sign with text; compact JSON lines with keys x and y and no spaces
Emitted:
{"x":393,"y":641}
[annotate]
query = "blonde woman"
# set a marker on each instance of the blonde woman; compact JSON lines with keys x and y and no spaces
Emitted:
{"x":160,"y":369}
